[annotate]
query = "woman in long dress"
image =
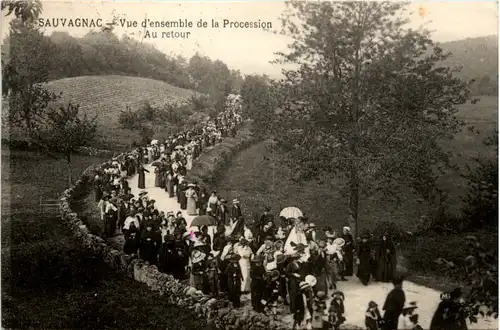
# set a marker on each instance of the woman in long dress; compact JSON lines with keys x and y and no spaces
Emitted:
{"x":349,"y":250}
{"x":157,"y":176}
{"x":365,"y":260}
{"x":182,"y":199}
{"x":386,"y":259}
{"x":169,"y":186}
{"x":191,"y":199}
{"x":245,"y":253}
{"x":142,"y":177}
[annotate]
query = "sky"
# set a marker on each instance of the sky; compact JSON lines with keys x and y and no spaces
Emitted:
{"x":251,"y":50}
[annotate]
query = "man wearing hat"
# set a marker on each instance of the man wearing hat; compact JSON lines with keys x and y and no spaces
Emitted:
{"x":394,"y":304}
{"x":234,"y":279}
{"x":257,"y":273}
{"x":222,"y":212}
{"x":235,"y":212}
{"x":213,"y":273}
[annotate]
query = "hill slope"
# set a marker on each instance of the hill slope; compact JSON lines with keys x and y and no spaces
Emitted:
{"x":477,"y":56}
{"x":107,"y":96}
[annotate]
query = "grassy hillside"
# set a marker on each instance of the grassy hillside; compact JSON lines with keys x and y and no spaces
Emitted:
{"x":477,"y":56}
{"x":106,"y":96}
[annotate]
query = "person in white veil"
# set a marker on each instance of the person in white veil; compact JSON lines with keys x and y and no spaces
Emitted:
{"x":297,"y":236}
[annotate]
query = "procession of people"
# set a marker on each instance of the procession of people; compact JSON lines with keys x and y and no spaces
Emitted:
{"x":276,"y":260}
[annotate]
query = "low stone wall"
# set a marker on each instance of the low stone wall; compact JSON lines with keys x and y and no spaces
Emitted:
{"x":219,"y":313}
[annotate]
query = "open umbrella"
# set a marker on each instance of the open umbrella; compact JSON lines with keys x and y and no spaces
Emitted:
{"x":291,"y":212}
{"x":203,"y":220}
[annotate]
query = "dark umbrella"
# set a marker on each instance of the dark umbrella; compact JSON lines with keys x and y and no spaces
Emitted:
{"x":203,"y":220}
{"x":156,"y":164}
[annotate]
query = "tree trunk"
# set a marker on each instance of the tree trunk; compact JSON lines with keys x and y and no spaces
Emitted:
{"x":354,"y":199}
{"x":68,"y":161}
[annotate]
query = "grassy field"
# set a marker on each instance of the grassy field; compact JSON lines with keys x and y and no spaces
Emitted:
{"x":107,"y":96}
{"x":258,"y":178}
{"x":48,"y":281}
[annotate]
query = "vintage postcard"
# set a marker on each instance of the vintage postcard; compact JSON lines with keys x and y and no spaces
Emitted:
{"x":249,"y":165}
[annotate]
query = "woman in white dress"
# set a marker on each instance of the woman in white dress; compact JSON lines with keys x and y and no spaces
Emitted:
{"x":246,"y":254}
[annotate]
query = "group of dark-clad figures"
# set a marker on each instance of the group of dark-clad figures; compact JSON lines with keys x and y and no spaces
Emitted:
{"x":277,"y":260}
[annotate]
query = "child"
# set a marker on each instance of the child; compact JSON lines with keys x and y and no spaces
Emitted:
{"x":404,"y":322}
{"x":336,"y":312}
{"x":373,"y":319}
{"x":320,"y":315}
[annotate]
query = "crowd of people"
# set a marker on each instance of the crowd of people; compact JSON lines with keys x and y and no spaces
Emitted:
{"x":276,"y":260}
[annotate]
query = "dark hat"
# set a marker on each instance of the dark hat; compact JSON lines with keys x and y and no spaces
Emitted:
{"x":372,"y":304}
{"x":456,"y":293}
{"x":267,"y":209}
{"x":320,"y":296}
{"x":280,"y":258}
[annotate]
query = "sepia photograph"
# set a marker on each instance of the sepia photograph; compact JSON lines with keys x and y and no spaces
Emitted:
{"x":278,"y":165}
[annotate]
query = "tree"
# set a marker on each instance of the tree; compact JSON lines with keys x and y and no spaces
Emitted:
{"x":133,"y":121}
{"x":481,"y":202}
{"x":365,"y":100}
{"x":64,"y":131}
{"x":27,"y":11}
{"x":258,"y":103}
{"x":27,"y":65}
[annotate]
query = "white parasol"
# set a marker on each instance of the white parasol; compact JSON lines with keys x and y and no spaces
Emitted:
{"x":153,"y":142}
{"x":291,"y":212}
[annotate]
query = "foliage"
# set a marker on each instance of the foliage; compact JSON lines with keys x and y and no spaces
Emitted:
{"x":259,"y":103}
{"x":171,"y":117}
{"x":481,"y":202}
{"x":23,"y":68}
{"x":64,"y":131}
{"x":27,"y":11}
{"x":480,"y":268}
{"x":367,"y":101}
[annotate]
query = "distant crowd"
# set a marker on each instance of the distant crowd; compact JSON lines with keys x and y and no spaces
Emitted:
{"x":279,"y":261}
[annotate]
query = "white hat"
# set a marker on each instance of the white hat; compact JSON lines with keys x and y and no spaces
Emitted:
{"x":311,"y":280}
{"x":197,"y":256}
{"x":235,"y":201}
{"x":346,"y":228}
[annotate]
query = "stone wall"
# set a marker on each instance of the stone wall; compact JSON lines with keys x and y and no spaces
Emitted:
{"x":219,"y":313}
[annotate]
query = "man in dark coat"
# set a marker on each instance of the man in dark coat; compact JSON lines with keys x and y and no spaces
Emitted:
{"x":219,"y":239}
{"x":266,"y":217}
{"x":450,"y":313}
{"x":365,"y":260}
{"x":257,"y":272}
{"x":222,"y":212}
{"x":234,"y":278}
{"x":235,"y":211}
{"x":393,"y":305}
